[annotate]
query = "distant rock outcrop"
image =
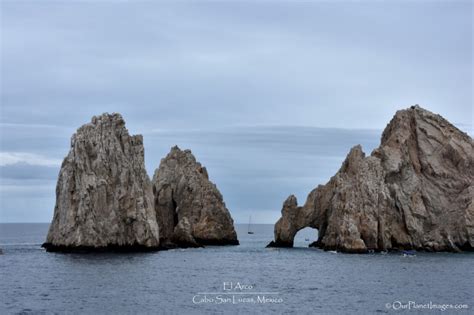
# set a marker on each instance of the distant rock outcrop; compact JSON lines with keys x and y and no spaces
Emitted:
{"x":189,"y":207}
{"x":104,"y":197}
{"x":413,"y":192}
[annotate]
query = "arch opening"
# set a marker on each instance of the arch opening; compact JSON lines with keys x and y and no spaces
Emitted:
{"x":305,"y":237}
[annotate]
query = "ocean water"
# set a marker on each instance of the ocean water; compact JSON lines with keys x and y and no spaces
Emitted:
{"x":234,"y":279}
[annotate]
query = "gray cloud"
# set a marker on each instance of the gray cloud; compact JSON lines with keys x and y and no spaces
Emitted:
{"x":182,"y":64}
{"x":255,"y":168}
{"x":204,"y":74}
{"x":24,"y":171}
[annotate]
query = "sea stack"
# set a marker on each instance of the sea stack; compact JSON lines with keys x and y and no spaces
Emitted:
{"x":415,"y":191}
{"x":104,"y":197}
{"x":189,"y":207}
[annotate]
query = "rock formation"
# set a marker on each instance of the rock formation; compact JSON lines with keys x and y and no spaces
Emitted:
{"x":104,"y":197}
{"x":415,"y":191}
{"x":189,"y":207}
{"x":105,"y":200}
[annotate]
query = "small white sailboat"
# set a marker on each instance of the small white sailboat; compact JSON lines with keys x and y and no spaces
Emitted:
{"x":249,"y":231}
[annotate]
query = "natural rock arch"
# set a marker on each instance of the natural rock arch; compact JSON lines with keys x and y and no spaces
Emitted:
{"x":415,"y":191}
{"x":293,"y":220}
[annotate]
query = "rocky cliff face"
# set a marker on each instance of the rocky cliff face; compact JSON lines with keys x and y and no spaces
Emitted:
{"x":104,"y":198}
{"x":189,"y":207}
{"x":413,"y":192}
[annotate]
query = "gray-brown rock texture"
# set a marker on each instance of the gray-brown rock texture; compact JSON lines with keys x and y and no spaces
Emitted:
{"x":415,"y":191}
{"x":189,"y":207}
{"x":104,"y":197}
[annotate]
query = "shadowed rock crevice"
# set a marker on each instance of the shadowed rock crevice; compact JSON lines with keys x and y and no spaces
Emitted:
{"x":414,"y":191}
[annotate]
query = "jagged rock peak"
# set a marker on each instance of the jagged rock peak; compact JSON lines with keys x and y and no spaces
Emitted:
{"x":104,"y":197}
{"x":187,"y":202}
{"x":415,"y":191}
{"x":407,"y":121}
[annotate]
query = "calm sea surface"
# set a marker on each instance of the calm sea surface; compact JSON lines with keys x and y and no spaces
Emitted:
{"x":236,"y":279}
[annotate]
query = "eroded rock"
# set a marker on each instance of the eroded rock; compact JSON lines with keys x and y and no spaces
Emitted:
{"x":413,"y":192}
{"x":189,"y":207}
{"x":104,"y":198}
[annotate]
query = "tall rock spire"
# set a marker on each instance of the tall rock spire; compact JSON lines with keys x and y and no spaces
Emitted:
{"x":104,"y":197}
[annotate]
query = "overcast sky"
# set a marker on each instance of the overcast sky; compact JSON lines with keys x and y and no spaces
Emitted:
{"x":269,"y":95}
